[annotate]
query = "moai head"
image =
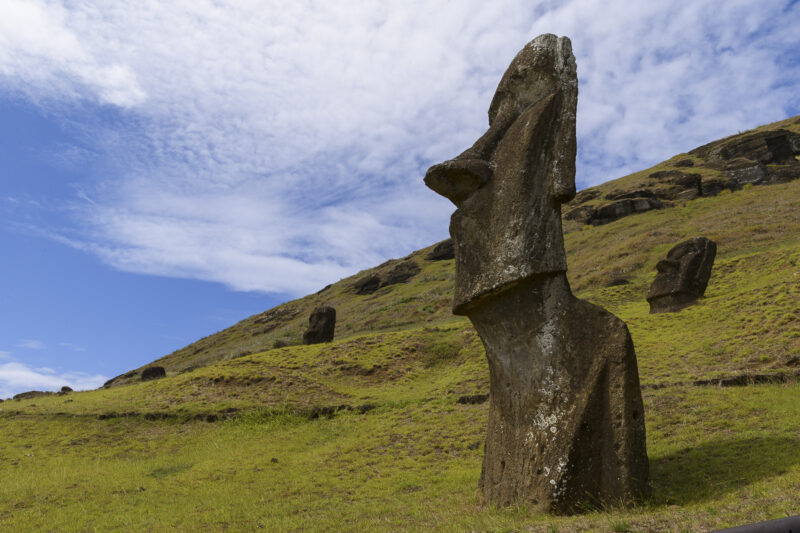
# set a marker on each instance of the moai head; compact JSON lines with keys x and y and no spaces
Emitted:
{"x":683,"y":276}
{"x":509,"y":186}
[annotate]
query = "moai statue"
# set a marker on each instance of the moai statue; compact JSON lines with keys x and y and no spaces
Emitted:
{"x":683,"y":276}
{"x":321,"y":325}
{"x":566,"y":422}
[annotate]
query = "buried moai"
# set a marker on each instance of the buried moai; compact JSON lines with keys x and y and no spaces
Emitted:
{"x":683,"y":276}
{"x":566,"y":422}
{"x":321,"y":325}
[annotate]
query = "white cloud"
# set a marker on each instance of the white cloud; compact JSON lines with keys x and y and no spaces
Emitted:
{"x":279,"y":146}
{"x":17,"y":377}
{"x":39,"y":48}
{"x":31,"y":344}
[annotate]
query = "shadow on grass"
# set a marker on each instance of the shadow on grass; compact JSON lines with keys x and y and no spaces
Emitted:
{"x":703,"y":472}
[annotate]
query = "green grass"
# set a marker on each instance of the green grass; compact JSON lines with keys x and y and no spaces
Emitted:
{"x":365,"y":433}
{"x":718,"y":457}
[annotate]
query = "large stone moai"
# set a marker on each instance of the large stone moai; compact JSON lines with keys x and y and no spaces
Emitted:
{"x":566,"y":422}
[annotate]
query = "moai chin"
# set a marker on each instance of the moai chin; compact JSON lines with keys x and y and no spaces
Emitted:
{"x":566,"y":422}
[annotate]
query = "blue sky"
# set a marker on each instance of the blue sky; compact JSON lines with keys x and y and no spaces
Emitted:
{"x":168,"y":170}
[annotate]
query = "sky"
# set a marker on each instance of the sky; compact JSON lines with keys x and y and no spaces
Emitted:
{"x":169,"y":168}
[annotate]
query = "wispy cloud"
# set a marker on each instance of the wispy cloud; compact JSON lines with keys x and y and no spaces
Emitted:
{"x":31,"y":344}
{"x":72,"y":346}
{"x":278,"y":147}
{"x":4,"y":355}
{"x":17,"y":377}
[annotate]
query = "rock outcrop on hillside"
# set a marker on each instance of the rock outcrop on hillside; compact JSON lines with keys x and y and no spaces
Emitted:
{"x":566,"y":419}
{"x":153,"y":372}
{"x":671,"y":182}
{"x":397,"y":272}
{"x":442,"y":251}
{"x":759,"y":158}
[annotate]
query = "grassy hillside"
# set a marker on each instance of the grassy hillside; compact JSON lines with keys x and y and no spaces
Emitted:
{"x":366,"y":432}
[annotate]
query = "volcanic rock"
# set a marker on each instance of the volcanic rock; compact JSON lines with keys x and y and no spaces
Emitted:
{"x":321,"y":325}
{"x":442,"y":251}
{"x":583,"y":214}
{"x":400,"y":273}
{"x":622,"y":208}
{"x":367,"y":284}
{"x":66,"y":389}
{"x":759,"y":158}
{"x":153,"y":372}
{"x":566,"y":421}
{"x":683,"y":276}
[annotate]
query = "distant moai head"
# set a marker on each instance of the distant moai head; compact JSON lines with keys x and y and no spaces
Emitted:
{"x":509,"y":186}
{"x":683,"y":276}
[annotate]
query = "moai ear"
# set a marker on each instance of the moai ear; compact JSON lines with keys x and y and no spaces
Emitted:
{"x":458,"y":178}
{"x":562,"y":165}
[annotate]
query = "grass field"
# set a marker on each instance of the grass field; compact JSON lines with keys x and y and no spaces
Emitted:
{"x":365,"y":433}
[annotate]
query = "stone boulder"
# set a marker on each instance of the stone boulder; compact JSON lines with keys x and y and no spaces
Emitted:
{"x":622,"y":208}
{"x":566,"y":420}
{"x":759,"y":158}
{"x":368,"y":284}
{"x":153,"y":372}
{"x":65,"y":389}
{"x":321,"y":325}
{"x":683,"y":276}
{"x":400,"y":273}
{"x":394,"y":272}
{"x":442,"y":251}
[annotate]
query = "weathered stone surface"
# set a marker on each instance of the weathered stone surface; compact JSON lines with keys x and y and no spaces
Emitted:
{"x":153,"y":372}
{"x":321,"y":325}
{"x":65,"y":389}
{"x":368,"y":284}
{"x":760,"y":158}
{"x":582,"y":214}
{"x":566,"y":422}
{"x":768,"y":147}
{"x":683,"y":276}
{"x":712,"y":186}
{"x":442,"y":251}
{"x":400,"y":273}
{"x":622,"y":208}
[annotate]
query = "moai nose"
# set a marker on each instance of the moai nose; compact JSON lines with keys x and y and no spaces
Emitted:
{"x":458,"y":178}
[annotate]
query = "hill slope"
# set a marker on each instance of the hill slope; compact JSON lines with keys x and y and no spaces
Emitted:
{"x":382,"y":428}
{"x":747,"y":223}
